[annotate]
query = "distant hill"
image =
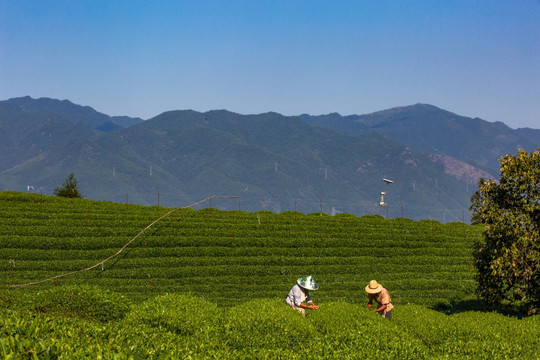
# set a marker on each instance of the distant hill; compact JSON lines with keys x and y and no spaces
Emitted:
{"x":26,"y":135}
{"x":429,"y":129}
{"x":73,"y":112}
{"x":273,"y":162}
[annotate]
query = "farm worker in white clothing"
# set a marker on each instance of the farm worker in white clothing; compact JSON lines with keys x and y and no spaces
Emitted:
{"x":300,"y":294}
{"x":382,"y":297}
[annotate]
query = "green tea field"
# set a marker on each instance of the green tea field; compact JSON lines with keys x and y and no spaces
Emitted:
{"x":206,"y":283}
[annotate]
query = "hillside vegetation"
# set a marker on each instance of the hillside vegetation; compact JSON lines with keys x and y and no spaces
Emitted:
{"x":274,"y":162}
{"x":428,"y":129}
{"x":231,"y":256}
{"x":207,"y":283}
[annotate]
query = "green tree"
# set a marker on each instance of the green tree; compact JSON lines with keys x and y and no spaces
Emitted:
{"x":507,"y":259}
{"x":69,"y":188}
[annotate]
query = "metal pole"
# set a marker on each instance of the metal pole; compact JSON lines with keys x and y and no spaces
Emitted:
{"x":387,"y":196}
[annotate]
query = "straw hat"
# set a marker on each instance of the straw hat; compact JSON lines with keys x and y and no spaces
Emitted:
{"x":307,"y":283}
{"x":373,"y":287}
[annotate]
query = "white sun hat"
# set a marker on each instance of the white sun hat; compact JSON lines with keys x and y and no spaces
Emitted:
{"x":307,"y":283}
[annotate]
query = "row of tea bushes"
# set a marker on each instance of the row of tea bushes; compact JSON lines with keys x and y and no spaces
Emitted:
{"x":230,"y":256}
{"x":55,"y":324}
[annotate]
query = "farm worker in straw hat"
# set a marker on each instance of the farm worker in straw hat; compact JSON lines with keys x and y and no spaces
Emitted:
{"x":300,"y":293}
{"x":382,"y":297}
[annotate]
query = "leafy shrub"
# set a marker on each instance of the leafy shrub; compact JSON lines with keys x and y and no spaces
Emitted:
{"x":85,"y":302}
{"x":268,"y":324}
{"x":175,"y":327}
{"x":179,"y":314}
{"x":350,"y":330}
{"x":13,"y":299}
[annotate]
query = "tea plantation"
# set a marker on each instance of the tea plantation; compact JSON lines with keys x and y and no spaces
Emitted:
{"x":206,"y":283}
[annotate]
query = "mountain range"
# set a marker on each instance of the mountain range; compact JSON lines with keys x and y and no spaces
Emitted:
{"x":329,"y":163}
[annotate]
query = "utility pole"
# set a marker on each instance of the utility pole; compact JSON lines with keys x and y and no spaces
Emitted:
{"x":388,"y":182}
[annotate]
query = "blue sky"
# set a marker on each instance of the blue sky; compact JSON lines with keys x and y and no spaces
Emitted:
{"x":141,"y":58}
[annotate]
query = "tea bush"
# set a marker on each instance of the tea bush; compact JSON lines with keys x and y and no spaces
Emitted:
{"x":176,"y":313}
{"x":183,"y":327}
{"x":85,"y":302}
{"x":270,"y":325}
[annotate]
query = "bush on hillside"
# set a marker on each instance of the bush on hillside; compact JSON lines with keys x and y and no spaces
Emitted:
{"x":179,"y":314}
{"x":270,"y":323}
{"x":85,"y":302}
{"x":69,"y":188}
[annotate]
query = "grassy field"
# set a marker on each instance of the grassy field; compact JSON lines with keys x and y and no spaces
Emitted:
{"x":206,"y":283}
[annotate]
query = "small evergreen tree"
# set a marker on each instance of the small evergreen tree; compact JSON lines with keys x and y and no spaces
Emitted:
{"x":69,"y":188}
{"x":508,"y":258}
